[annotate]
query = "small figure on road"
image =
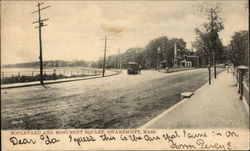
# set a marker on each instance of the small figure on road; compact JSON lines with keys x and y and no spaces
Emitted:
{"x":231,"y":68}
{"x":54,"y":74}
{"x":167,"y":70}
{"x":227,"y":67}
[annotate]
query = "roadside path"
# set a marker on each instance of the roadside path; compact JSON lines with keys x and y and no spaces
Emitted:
{"x":212,"y":106}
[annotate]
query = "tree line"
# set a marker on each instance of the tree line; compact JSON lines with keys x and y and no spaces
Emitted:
{"x":157,"y":50}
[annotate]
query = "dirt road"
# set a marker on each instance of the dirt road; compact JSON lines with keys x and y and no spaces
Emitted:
{"x":122,"y":101}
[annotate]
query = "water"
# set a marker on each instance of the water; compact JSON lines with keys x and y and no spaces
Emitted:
{"x":67,"y":71}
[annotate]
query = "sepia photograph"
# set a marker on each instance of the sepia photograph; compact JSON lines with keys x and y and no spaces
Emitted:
{"x":102,"y":65}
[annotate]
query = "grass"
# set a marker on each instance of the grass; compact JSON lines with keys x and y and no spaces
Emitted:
{"x":21,"y":79}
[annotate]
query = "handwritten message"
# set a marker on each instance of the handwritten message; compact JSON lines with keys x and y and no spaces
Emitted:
{"x":128,"y":139}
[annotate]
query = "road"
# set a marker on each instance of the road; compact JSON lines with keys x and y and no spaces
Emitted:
{"x":121,"y":101}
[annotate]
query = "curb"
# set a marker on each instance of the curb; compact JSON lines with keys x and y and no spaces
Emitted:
{"x":55,"y":82}
{"x":149,"y":123}
{"x":178,"y":70}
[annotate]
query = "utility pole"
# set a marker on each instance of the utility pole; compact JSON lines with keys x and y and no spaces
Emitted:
{"x":214,"y":65}
{"x":121,"y":62}
{"x":213,"y":40}
{"x":40,"y":25}
{"x":118,"y":66}
{"x":209,"y":69}
{"x":104,"y":59}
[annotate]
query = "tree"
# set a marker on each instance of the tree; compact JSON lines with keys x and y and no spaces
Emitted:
{"x":156,"y":51}
{"x":238,"y":49}
{"x":208,"y":37}
{"x":204,"y":47}
{"x":132,"y":55}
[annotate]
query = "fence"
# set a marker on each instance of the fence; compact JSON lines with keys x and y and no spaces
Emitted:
{"x":242,"y":83}
{"x":26,"y":76}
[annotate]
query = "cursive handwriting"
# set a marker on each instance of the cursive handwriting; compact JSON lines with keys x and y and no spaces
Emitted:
{"x":16,"y":141}
{"x":174,"y":145}
{"x":82,"y":139}
{"x":104,"y":137}
{"x":176,"y":140}
{"x":169,"y":137}
{"x":135,"y":138}
{"x":48,"y":140}
{"x":196,"y":135}
{"x":151,"y":138}
{"x":206,"y":146}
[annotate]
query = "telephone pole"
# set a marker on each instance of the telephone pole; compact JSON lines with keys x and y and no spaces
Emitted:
{"x":104,"y":58}
{"x":209,"y":70}
{"x":214,"y":64}
{"x":119,"y":62}
{"x":213,"y":38}
{"x":40,"y":25}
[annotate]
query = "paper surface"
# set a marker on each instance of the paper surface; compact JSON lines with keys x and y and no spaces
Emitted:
{"x":79,"y":113}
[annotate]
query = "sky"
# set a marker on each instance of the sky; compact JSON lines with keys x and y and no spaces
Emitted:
{"x":76,"y":29}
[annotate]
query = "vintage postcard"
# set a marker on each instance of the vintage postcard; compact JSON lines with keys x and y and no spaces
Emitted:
{"x":124,"y":75}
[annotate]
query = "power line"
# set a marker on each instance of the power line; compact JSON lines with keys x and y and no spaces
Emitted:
{"x":40,"y":25}
{"x":119,"y":60}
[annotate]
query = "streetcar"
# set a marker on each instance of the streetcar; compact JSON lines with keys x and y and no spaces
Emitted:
{"x":133,"y":68}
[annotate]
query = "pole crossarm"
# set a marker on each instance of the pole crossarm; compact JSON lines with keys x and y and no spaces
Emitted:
{"x":40,"y":9}
{"x":42,"y":20}
{"x":41,"y":25}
